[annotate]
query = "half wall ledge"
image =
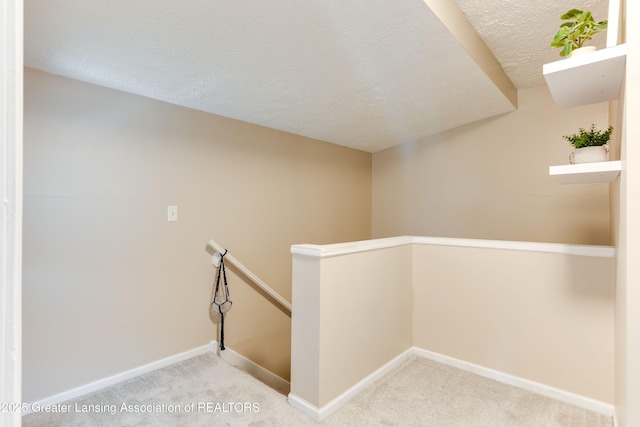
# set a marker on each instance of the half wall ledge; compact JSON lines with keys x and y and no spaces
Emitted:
{"x":338,"y":249}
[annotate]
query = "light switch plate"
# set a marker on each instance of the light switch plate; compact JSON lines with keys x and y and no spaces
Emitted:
{"x":172,"y":213}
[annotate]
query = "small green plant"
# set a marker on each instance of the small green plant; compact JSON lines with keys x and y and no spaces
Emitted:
{"x":579,"y":28}
{"x":589,"y":138}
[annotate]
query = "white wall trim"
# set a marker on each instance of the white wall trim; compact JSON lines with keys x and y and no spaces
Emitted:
{"x":305,"y":407}
{"x":556,"y":248}
{"x":118,"y":378}
{"x":252,"y":368}
{"x":11,"y":182}
{"x":319,"y":414}
{"x":269,"y":378}
{"x":532,"y":386}
{"x":339,"y":249}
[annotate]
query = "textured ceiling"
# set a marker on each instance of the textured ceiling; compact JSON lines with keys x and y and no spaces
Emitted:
{"x":360,"y":73}
{"x":519,"y":32}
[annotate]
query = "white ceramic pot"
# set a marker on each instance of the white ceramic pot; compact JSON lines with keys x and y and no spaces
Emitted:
{"x":589,"y":155}
{"x":582,"y":51}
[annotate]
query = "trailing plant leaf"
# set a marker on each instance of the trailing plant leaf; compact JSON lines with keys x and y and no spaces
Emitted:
{"x":579,"y":28}
{"x":589,"y":138}
{"x":572,"y":14}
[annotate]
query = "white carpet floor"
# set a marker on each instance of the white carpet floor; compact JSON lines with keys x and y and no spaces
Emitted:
{"x":207,"y":391}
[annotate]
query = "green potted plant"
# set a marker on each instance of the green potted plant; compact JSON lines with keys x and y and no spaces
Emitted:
{"x":591,"y":145}
{"x":578,"y":28}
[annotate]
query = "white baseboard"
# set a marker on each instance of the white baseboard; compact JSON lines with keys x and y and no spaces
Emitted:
{"x":252,"y":368}
{"x":305,"y":407}
{"x":319,"y":414}
{"x":118,"y":378}
{"x":545,"y":390}
{"x":233,"y":358}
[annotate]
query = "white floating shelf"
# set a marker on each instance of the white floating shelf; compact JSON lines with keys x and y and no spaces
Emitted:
{"x":586,"y":172}
{"x":586,"y":79}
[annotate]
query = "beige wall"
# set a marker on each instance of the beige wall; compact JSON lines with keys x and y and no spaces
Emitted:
{"x":542,"y":313}
{"x":305,"y":329}
{"x":109,"y":284}
{"x":544,"y":317}
{"x":626,"y":211}
{"x":372,"y":292}
{"x":490,"y":180}
{"x":352,"y":315}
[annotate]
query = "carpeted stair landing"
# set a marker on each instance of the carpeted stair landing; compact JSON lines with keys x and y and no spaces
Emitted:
{"x":207,"y":391}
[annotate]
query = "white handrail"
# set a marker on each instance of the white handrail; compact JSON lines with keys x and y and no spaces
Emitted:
{"x":255,"y":279}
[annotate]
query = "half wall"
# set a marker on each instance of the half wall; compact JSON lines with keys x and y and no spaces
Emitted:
{"x":539,"y":314}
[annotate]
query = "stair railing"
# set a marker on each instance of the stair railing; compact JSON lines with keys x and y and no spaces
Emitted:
{"x":283,"y":303}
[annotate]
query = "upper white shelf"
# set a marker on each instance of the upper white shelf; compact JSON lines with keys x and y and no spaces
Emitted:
{"x":586,"y":79}
{"x":586,"y":172}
